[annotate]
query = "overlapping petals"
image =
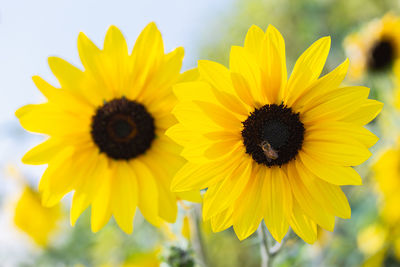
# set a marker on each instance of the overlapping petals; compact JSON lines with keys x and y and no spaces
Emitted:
{"x":301,"y":194}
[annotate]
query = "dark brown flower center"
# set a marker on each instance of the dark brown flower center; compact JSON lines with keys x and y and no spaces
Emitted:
{"x":123,"y":129}
{"x":273,"y":135}
{"x":381,"y":55}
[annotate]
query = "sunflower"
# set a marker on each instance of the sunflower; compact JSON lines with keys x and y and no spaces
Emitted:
{"x":270,"y":148}
{"x":387,"y":173}
{"x":107,"y":130}
{"x":375,"y":47}
{"x":37,"y":221}
{"x":381,"y":240}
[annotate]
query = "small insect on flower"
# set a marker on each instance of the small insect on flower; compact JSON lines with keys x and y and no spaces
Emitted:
{"x":107,"y":128}
{"x":271,"y":148}
{"x":269,"y":152}
{"x":375,"y":47}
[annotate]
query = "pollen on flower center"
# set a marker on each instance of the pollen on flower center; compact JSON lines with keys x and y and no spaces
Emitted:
{"x":381,"y":55}
{"x":273,"y":135}
{"x":123,"y":129}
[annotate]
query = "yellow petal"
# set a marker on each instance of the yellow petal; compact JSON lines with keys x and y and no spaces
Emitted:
{"x":365,"y":113}
{"x":337,"y":152}
{"x":185,"y":91}
{"x":307,"y":69}
{"x":166,"y":198}
{"x":273,"y":65}
{"x":192,"y":196}
{"x":216,"y":75}
{"x":147,"y":54}
{"x":193,"y":176}
{"x":189,"y":76}
{"x":220,"y":116}
{"x":249,"y":208}
{"x":337,"y":175}
{"x":68,"y":75}
{"x":327,"y":195}
{"x":223,"y":135}
{"x":302,"y":225}
{"x":186,"y":228}
{"x":148,"y":192}
{"x":49,"y":119}
{"x":43,"y":153}
{"x":222,"y":221}
{"x":115,"y":44}
{"x":124,"y":196}
{"x":334,"y":130}
{"x":45,"y":88}
{"x":253,"y":40}
{"x":80,"y":202}
{"x":232,"y":103}
{"x":306,"y":201}
{"x":85,"y":191}
{"x":278,"y":198}
{"x":222,"y":195}
{"x":160,"y":86}
{"x":318,"y":92}
{"x":96,"y":89}
{"x":219,"y":78}
{"x":116,"y":71}
{"x":241,"y":61}
{"x":220,"y":149}
{"x":337,"y":104}
{"x":101,"y":206}
{"x":58,"y":179}
{"x":243,"y":90}
{"x":72,"y":101}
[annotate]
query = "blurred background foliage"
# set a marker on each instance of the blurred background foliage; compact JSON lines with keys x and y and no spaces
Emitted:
{"x":362,"y":240}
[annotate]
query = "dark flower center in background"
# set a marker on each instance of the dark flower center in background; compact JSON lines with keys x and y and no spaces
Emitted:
{"x":273,"y":135}
{"x":123,"y":129}
{"x":381,"y":55}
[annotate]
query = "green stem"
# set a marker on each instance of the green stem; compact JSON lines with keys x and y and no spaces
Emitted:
{"x":268,"y":252}
{"x":197,"y":237}
{"x":264,"y":246}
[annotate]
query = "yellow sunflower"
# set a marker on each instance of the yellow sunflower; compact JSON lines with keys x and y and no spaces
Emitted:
{"x":268,"y":147}
{"x":107,"y":130}
{"x":374,"y":47}
{"x":34,"y":219}
{"x":381,"y":240}
{"x":387,"y":177}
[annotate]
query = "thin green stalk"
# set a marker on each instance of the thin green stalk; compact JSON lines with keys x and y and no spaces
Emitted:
{"x":197,"y":237}
{"x":268,"y":253}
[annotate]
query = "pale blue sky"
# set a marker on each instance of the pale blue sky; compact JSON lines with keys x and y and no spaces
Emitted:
{"x":30,"y":31}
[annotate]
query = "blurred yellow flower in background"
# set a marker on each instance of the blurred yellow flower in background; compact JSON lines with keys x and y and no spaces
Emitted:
{"x":37,"y":221}
{"x":150,"y":259}
{"x":268,"y":147}
{"x":106,"y":126}
{"x":387,"y":177}
{"x":383,"y":238}
{"x":396,"y":71}
{"x":375,"y":47}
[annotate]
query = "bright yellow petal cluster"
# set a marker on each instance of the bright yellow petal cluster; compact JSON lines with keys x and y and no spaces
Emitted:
{"x":35,"y":220}
{"x":303,"y":193}
{"x":360,"y":45}
{"x":75,"y":163}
